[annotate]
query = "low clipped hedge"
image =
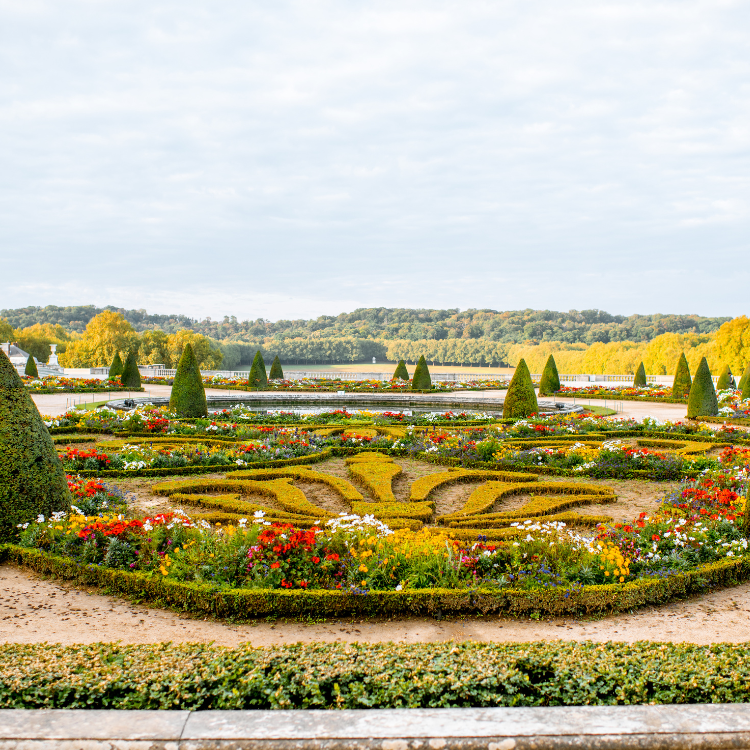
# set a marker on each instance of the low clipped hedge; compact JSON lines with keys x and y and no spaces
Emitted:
{"x":247,"y":604}
{"x":199,"y":676}
{"x":610,"y":397}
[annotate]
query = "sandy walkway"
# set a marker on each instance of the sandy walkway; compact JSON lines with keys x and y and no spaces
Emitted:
{"x":33,"y":610}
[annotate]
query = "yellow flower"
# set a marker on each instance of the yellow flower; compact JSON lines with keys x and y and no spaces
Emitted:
{"x":362,"y":569}
{"x":363,"y":583}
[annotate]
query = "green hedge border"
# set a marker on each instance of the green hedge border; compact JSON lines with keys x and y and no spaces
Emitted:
{"x":250,"y":604}
{"x":583,"y":396}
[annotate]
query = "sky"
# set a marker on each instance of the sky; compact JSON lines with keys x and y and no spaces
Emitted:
{"x":291,"y":159}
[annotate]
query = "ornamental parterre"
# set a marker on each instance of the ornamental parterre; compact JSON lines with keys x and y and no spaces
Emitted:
{"x":358,"y":503}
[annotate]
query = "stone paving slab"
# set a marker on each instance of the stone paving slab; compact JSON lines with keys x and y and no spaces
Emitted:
{"x":683,"y":726}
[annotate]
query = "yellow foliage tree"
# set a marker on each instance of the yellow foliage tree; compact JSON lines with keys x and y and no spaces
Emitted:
{"x":106,"y":334}
{"x":209,"y":357}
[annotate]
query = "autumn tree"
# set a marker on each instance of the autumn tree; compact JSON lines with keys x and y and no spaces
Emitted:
{"x":106,"y":334}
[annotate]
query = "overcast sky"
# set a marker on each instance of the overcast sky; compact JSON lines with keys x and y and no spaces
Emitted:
{"x":288,"y":159}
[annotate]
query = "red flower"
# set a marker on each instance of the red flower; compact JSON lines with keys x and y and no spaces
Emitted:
{"x":275,"y":564}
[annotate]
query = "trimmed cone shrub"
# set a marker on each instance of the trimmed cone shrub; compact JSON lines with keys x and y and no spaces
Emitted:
{"x":744,"y":379}
{"x":401,"y":372}
{"x":682,"y":379}
{"x":725,"y":380}
{"x":276,"y":372}
{"x":130,"y":377}
{"x":745,"y":393}
{"x":702,"y":401}
{"x":115,"y":369}
{"x":640,"y":377}
{"x":550,"y":382}
{"x":31,"y":367}
{"x":188,"y":397}
{"x":520,"y":400}
{"x":421,"y":380}
{"x":258,"y":377}
{"x":32,"y":480}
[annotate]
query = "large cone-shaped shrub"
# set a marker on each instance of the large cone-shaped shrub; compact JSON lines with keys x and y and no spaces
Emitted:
{"x":520,"y":400}
{"x":682,"y":380}
{"x":32,"y":480}
{"x":401,"y":372}
{"x":257,"y":377}
{"x":31,"y":367}
{"x":702,"y":401}
{"x":745,"y":390}
{"x":421,"y":380}
{"x":276,"y":372}
{"x":115,"y":369}
{"x":131,"y":377}
{"x":640,"y":377}
{"x":726,"y":380}
{"x":550,"y":382}
{"x":744,"y":379}
{"x":188,"y":397}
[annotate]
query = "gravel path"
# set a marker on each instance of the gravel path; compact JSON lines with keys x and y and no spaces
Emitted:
{"x":33,"y":610}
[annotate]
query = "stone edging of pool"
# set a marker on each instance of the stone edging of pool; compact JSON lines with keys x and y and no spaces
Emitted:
{"x":352,"y":400}
{"x":670,"y":727}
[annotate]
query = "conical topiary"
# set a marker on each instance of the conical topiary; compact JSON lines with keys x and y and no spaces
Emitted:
{"x":32,"y":480}
{"x":401,"y":372}
{"x":640,"y":377}
{"x":276,"y":372}
{"x":702,"y":400}
{"x":257,"y":377}
{"x":31,"y":367}
{"x":682,"y":380}
{"x":745,"y":392}
{"x":725,"y":380}
{"x":550,"y":382}
{"x":131,"y":377}
{"x":115,"y":369}
{"x":188,"y":396}
{"x":745,"y":377}
{"x":520,"y":399}
{"x":421,"y":380}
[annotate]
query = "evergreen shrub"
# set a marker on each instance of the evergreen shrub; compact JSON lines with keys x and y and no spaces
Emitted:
{"x":257,"y":377}
{"x":744,"y":379}
{"x":115,"y":369}
{"x":421,"y":380}
{"x":550,"y":382}
{"x":401,"y":372}
{"x":32,"y":480}
{"x":702,"y":401}
{"x":682,"y":380}
{"x":31,"y":369}
{"x":188,"y":396}
{"x":726,"y":380}
{"x":520,"y":399}
{"x":130,"y":377}
{"x":640,"y":377}
{"x":276,"y":372}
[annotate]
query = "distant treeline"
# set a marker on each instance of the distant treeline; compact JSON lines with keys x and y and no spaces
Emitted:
{"x":528,"y":327}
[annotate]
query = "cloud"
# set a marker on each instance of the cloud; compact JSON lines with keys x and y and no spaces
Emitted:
{"x":328,"y":155}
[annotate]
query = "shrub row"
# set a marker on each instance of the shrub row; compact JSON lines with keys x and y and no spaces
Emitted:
{"x":376,"y":473}
{"x":423,"y":487}
{"x":247,"y":604}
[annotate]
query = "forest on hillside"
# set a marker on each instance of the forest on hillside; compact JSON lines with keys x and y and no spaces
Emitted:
{"x":509,"y":327}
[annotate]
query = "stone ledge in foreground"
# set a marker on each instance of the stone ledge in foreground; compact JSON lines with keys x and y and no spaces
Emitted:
{"x":682,"y":726}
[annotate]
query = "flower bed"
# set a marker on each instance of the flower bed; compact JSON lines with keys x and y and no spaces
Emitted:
{"x":60,"y":384}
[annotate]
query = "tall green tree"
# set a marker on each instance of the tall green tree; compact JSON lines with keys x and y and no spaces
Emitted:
{"x":257,"y":377}
{"x":188,"y":397}
{"x":702,"y":401}
{"x":682,"y":380}
{"x":550,"y":382}
{"x":32,"y":480}
{"x":520,"y":398}
{"x":131,"y":377}
{"x":421,"y":380}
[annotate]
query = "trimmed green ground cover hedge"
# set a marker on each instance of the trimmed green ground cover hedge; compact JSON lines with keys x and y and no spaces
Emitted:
{"x":346,"y":676}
